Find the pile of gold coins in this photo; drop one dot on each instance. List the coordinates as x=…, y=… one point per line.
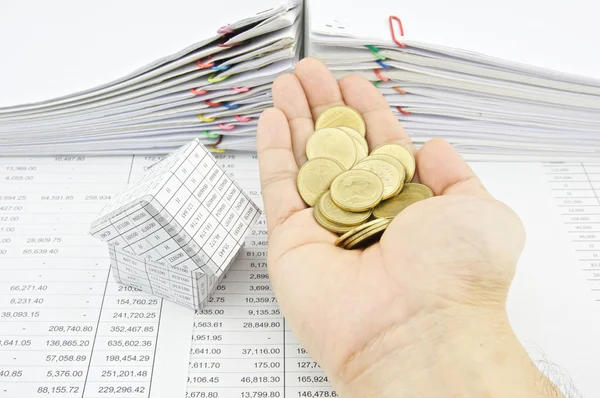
x=355, y=192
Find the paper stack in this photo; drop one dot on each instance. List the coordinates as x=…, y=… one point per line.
x=123, y=77
x=517, y=80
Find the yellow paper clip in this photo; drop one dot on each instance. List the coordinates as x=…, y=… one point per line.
x=205, y=119
x=212, y=148
x=213, y=79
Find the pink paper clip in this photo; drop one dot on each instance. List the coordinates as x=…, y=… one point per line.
x=242, y=119
x=202, y=65
x=226, y=126
x=210, y=103
x=224, y=30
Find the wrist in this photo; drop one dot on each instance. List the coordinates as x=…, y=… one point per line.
x=454, y=354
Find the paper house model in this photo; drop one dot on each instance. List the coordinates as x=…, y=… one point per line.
x=175, y=232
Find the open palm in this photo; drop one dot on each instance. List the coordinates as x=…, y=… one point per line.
x=457, y=250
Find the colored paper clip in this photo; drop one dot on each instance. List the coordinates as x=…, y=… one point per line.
x=380, y=76
x=402, y=111
x=202, y=65
x=398, y=89
x=375, y=52
x=209, y=103
x=242, y=119
x=198, y=92
x=210, y=135
x=241, y=89
x=229, y=106
x=231, y=45
x=213, y=79
x=386, y=66
x=226, y=126
x=391, y=19
x=220, y=67
x=214, y=146
x=377, y=83
x=206, y=119
x=224, y=30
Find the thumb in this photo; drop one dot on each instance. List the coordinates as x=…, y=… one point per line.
x=443, y=170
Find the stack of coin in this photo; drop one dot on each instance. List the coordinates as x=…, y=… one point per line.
x=355, y=192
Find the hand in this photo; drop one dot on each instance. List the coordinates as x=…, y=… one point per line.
x=412, y=314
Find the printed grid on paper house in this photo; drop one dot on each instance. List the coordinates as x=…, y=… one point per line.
x=175, y=233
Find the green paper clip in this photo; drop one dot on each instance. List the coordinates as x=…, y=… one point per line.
x=210, y=135
x=375, y=52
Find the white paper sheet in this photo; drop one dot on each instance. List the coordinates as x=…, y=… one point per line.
x=494, y=29
x=241, y=345
x=66, y=328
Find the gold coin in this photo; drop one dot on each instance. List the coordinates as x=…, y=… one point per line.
x=411, y=193
x=368, y=237
x=362, y=148
x=397, y=165
x=392, y=180
x=372, y=225
x=315, y=177
x=336, y=215
x=338, y=116
x=402, y=154
x=325, y=223
x=356, y=190
x=420, y=188
x=354, y=232
x=332, y=143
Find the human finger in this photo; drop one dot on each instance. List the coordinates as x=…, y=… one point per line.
x=278, y=168
x=382, y=125
x=442, y=169
x=289, y=97
x=319, y=84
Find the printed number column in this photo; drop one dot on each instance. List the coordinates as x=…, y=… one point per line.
x=127, y=332
x=304, y=377
x=51, y=280
x=590, y=235
x=237, y=348
x=575, y=189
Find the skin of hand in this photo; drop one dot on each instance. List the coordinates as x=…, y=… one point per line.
x=422, y=313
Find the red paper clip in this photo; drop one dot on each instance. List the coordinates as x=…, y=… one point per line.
x=242, y=119
x=392, y=19
x=402, y=111
x=198, y=92
x=398, y=89
x=380, y=76
x=226, y=126
x=241, y=89
x=209, y=103
x=202, y=65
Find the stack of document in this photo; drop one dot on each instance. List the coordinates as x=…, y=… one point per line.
x=126, y=77
x=514, y=80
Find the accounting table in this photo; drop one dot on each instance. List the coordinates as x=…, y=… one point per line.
x=74, y=332
x=67, y=329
